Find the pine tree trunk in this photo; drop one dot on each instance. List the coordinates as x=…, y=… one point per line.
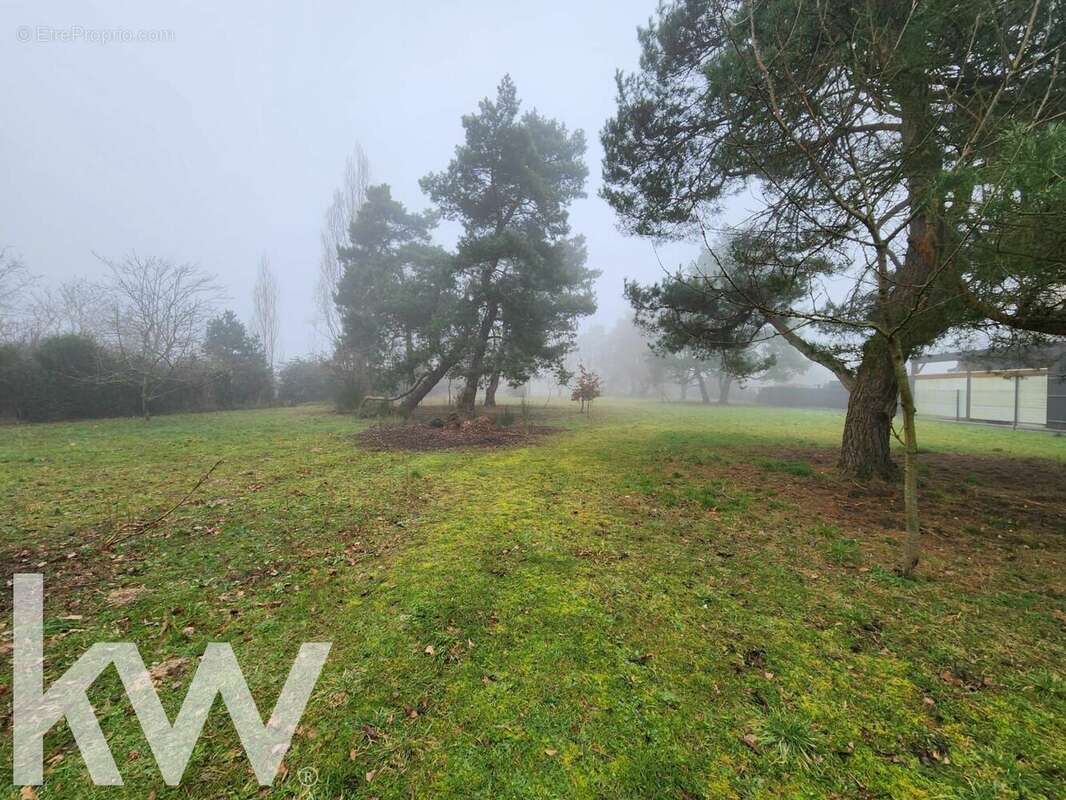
x=411, y=401
x=490, y=389
x=705, y=396
x=468, y=397
x=724, y=383
x=865, y=451
x=464, y=403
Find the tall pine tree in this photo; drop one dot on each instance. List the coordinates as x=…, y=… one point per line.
x=523, y=278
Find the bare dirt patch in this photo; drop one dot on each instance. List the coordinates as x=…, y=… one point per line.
x=981, y=510
x=1005, y=497
x=441, y=434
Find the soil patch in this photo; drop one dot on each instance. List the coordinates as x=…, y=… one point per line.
x=425, y=436
x=1007, y=498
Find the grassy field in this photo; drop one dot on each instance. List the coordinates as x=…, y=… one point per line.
x=660, y=602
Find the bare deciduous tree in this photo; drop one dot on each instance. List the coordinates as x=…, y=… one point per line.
x=75, y=307
x=347, y=200
x=15, y=279
x=156, y=314
x=265, y=321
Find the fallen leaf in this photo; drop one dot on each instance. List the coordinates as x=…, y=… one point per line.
x=949, y=677
x=125, y=596
x=372, y=733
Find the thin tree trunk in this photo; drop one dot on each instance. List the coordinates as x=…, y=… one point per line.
x=725, y=381
x=705, y=396
x=865, y=452
x=912, y=544
x=490, y=389
x=145, y=403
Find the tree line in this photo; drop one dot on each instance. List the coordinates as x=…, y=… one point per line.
x=401, y=313
x=148, y=339
x=635, y=360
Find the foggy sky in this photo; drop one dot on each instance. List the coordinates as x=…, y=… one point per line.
x=227, y=142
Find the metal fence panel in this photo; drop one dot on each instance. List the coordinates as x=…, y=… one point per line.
x=1018, y=397
x=992, y=398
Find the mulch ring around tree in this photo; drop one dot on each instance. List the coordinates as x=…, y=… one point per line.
x=440, y=433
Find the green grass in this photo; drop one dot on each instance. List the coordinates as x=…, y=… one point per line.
x=619, y=611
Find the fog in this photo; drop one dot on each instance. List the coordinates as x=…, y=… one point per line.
x=223, y=141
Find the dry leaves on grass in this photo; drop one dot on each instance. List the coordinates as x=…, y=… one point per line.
x=167, y=669
x=425, y=437
x=124, y=596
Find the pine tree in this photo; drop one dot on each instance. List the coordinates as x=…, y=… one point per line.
x=865, y=128
x=523, y=278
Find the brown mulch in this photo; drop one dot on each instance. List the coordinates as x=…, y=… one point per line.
x=421, y=437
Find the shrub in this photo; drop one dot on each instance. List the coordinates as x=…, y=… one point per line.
x=305, y=380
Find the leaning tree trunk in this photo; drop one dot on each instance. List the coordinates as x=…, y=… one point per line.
x=490, y=389
x=705, y=396
x=468, y=396
x=724, y=384
x=865, y=451
x=425, y=386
